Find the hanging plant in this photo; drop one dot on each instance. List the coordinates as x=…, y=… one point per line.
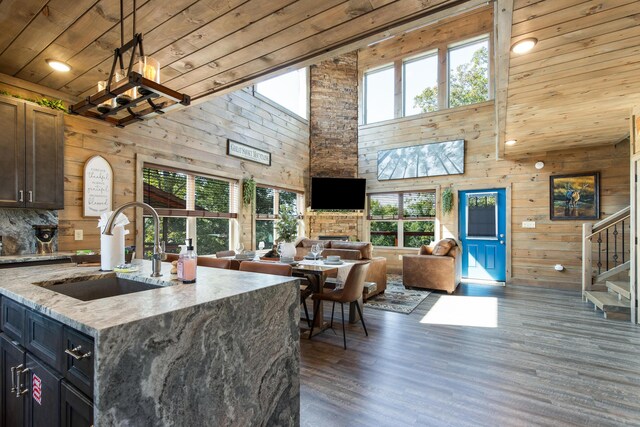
x=447, y=201
x=248, y=190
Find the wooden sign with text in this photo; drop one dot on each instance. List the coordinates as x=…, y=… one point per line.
x=98, y=187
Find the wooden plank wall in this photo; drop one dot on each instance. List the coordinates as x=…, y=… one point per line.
x=196, y=137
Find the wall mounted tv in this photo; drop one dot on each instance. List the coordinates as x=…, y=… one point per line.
x=338, y=193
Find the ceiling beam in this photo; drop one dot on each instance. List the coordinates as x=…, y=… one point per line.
x=503, y=17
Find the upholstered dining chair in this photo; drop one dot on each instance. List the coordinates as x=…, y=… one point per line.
x=171, y=257
x=350, y=293
x=280, y=270
x=222, y=254
x=206, y=261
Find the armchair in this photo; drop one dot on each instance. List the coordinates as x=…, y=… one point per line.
x=438, y=267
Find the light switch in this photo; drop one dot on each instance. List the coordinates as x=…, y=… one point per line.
x=79, y=235
x=528, y=224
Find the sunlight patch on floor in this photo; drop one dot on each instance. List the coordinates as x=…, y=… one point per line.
x=481, y=312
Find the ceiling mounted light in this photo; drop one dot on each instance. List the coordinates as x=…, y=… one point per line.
x=524, y=45
x=133, y=82
x=539, y=165
x=511, y=142
x=59, y=65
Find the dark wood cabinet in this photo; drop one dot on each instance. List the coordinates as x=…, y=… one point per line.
x=12, y=317
x=78, y=360
x=32, y=161
x=44, y=339
x=75, y=409
x=42, y=385
x=13, y=362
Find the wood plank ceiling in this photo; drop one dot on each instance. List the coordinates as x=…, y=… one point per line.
x=577, y=87
x=203, y=46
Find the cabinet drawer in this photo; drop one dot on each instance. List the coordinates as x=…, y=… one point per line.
x=13, y=320
x=75, y=409
x=44, y=339
x=78, y=369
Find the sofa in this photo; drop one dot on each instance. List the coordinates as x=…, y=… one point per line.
x=353, y=251
x=436, y=267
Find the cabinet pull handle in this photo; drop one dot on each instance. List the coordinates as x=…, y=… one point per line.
x=19, y=390
x=75, y=353
x=30, y=196
x=21, y=196
x=13, y=377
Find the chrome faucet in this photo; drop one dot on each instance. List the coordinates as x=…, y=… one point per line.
x=158, y=249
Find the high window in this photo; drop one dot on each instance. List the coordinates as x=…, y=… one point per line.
x=288, y=90
x=447, y=77
x=402, y=219
x=269, y=202
x=189, y=205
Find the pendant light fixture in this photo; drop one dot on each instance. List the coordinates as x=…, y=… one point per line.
x=132, y=91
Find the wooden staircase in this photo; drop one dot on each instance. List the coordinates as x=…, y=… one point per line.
x=606, y=265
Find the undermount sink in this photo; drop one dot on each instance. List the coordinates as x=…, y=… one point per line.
x=88, y=290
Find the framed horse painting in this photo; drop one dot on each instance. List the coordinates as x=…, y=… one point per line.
x=574, y=196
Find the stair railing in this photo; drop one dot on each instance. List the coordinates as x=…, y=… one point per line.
x=611, y=239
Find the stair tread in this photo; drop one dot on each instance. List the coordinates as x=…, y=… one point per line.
x=606, y=301
x=621, y=287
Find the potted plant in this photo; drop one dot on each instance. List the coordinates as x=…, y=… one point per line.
x=287, y=228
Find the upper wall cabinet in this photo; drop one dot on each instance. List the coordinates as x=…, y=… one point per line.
x=31, y=156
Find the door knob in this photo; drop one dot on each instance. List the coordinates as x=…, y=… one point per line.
x=502, y=242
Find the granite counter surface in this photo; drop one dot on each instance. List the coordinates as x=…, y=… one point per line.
x=15, y=259
x=33, y=286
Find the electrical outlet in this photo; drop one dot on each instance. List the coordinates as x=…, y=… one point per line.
x=79, y=234
x=528, y=224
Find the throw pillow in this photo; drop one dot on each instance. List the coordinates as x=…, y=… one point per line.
x=426, y=250
x=443, y=247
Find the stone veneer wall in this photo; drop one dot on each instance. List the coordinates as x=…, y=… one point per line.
x=333, y=137
x=16, y=229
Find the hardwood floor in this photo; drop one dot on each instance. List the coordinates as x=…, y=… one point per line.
x=550, y=360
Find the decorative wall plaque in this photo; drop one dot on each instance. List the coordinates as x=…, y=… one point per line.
x=243, y=151
x=416, y=161
x=98, y=187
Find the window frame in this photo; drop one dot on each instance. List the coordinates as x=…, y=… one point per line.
x=253, y=89
x=401, y=219
x=377, y=69
x=192, y=215
x=276, y=208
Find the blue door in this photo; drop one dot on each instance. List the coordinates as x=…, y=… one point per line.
x=483, y=234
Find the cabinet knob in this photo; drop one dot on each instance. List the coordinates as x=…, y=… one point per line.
x=30, y=196
x=21, y=196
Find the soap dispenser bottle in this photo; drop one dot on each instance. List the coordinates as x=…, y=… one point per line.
x=187, y=264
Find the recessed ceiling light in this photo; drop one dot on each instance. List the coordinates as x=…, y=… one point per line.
x=524, y=46
x=539, y=165
x=511, y=142
x=59, y=65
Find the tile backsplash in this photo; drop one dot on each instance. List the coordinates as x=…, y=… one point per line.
x=16, y=229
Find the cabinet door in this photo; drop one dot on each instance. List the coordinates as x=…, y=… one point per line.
x=75, y=409
x=12, y=359
x=12, y=147
x=44, y=158
x=43, y=395
x=12, y=316
x=43, y=338
x=78, y=369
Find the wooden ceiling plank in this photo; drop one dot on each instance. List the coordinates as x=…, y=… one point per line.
x=502, y=35
x=89, y=27
x=15, y=15
x=278, y=20
x=589, y=13
x=624, y=40
x=54, y=19
x=339, y=15
x=182, y=22
x=577, y=40
x=328, y=40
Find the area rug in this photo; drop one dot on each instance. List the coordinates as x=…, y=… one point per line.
x=396, y=298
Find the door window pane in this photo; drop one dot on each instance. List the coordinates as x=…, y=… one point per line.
x=379, y=99
x=265, y=233
x=481, y=215
x=384, y=233
x=421, y=85
x=417, y=233
x=212, y=235
x=469, y=73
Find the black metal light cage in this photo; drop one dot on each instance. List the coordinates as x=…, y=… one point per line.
x=147, y=88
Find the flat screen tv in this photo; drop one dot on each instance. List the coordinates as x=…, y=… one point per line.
x=338, y=193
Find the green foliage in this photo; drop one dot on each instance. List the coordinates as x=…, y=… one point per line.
x=416, y=233
x=287, y=225
x=248, y=190
x=54, y=104
x=469, y=84
x=447, y=201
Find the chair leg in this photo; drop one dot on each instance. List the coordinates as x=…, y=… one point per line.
x=315, y=316
x=332, y=310
x=306, y=313
x=344, y=333
x=362, y=318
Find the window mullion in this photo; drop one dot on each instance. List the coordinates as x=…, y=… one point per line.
x=398, y=89
x=443, y=86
